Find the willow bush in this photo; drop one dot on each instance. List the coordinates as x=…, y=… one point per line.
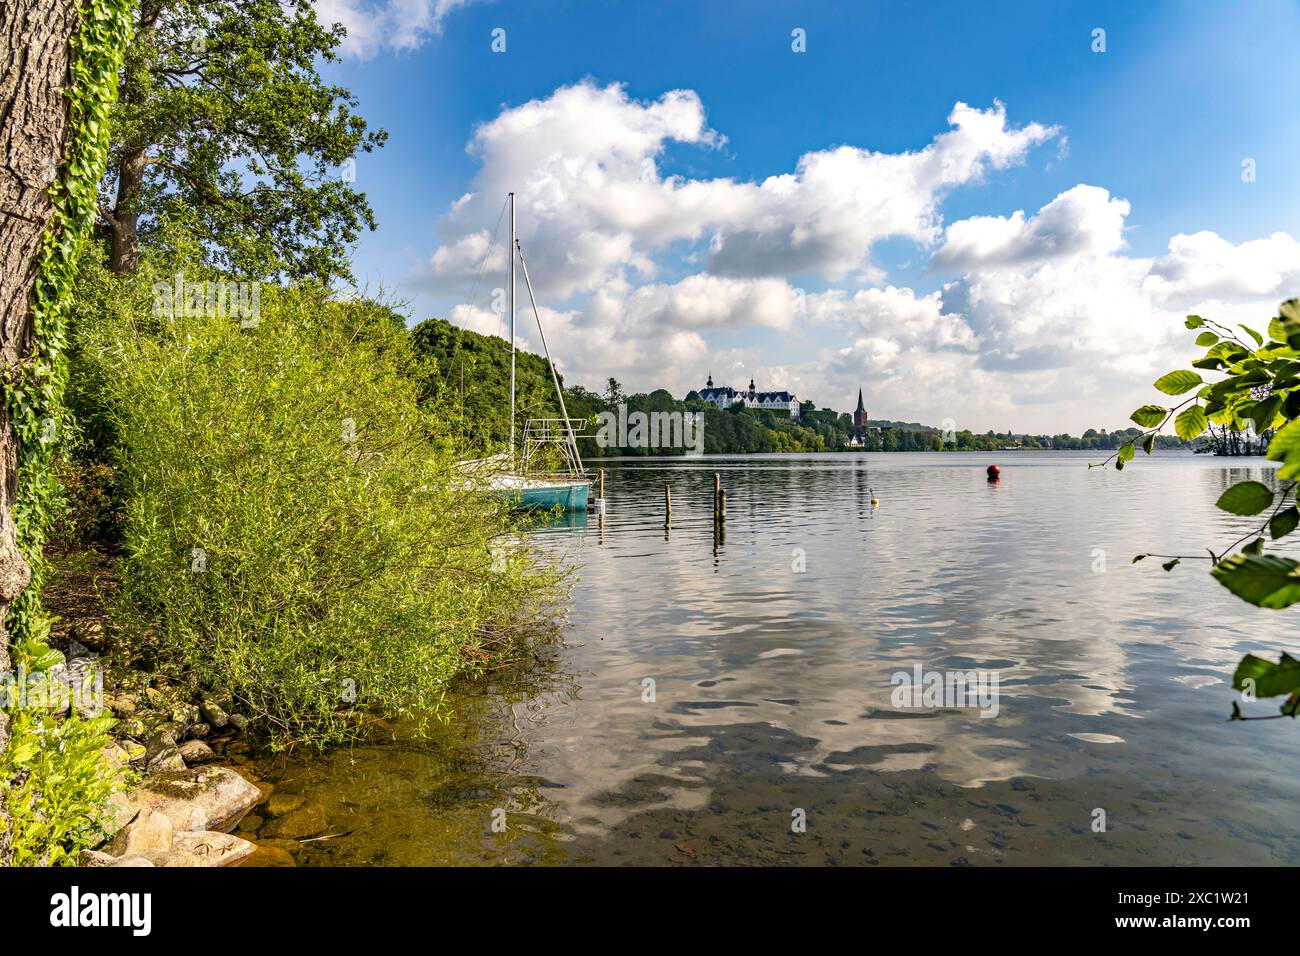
x=294, y=526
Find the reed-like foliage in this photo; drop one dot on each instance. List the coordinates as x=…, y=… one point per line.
x=294, y=526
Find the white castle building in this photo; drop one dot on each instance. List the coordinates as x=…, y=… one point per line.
x=725, y=396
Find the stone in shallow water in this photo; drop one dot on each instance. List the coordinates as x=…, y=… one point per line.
x=292, y=847
x=208, y=798
x=268, y=856
x=307, y=821
x=281, y=803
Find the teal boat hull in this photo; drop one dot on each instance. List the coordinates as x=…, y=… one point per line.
x=567, y=496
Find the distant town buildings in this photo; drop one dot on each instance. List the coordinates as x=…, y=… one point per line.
x=725, y=396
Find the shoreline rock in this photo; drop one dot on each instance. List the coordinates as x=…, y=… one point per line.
x=178, y=818
x=208, y=798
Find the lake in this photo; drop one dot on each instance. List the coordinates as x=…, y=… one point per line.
x=772, y=732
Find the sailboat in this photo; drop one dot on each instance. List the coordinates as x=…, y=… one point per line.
x=516, y=477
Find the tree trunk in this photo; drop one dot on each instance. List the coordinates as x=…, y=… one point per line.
x=35, y=38
x=124, y=218
x=125, y=255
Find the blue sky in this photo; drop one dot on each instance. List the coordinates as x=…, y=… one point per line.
x=874, y=263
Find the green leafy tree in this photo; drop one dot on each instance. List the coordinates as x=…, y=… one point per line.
x=1259, y=392
x=224, y=124
x=470, y=373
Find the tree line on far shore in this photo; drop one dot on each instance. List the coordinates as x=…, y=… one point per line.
x=471, y=373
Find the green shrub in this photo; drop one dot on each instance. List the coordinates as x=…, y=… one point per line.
x=54, y=788
x=294, y=526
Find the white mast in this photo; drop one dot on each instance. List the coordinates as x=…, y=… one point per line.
x=559, y=392
x=512, y=329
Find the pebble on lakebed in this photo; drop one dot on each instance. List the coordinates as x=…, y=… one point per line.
x=306, y=821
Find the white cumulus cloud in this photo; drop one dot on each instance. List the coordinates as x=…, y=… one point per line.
x=1046, y=321
x=594, y=204
x=374, y=25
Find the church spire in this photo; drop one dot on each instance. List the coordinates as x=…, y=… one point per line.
x=861, y=408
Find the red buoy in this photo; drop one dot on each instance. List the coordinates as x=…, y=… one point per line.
x=993, y=471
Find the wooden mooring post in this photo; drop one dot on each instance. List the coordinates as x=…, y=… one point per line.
x=668, y=501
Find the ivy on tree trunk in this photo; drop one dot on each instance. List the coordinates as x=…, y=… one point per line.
x=35, y=50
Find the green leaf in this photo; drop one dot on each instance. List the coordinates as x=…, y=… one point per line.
x=1206, y=339
x=1266, y=678
x=1263, y=412
x=1255, y=547
x=1285, y=442
x=1259, y=339
x=22, y=753
x=1264, y=580
x=1137, y=558
x=1229, y=351
x=36, y=655
x=1194, y=322
x=1190, y=423
x=1284, y=522
x=1126, y=453
x=1170, y=565
x=1245, y=498
x=1178, y=381
x=1148, y=416
x=1149, y=443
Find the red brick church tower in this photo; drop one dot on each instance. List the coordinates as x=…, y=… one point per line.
x=860, y=415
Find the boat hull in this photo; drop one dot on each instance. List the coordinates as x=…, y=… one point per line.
x=567, y=496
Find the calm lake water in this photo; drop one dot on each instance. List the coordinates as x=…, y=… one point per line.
x=772, y=685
